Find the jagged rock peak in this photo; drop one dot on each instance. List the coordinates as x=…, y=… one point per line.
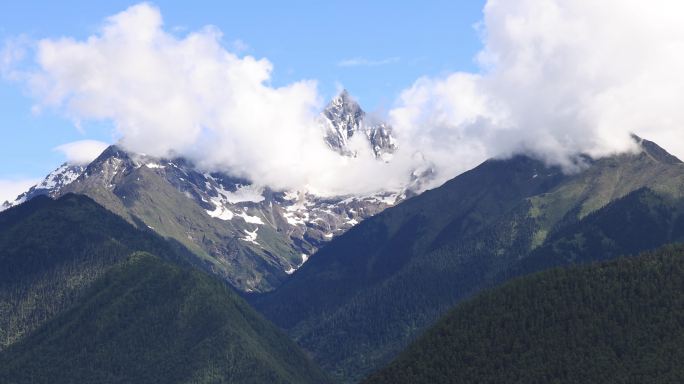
x=343, y=117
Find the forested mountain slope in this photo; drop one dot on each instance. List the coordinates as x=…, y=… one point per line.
x=51, y=250
x=617, y=322
x=371, y=291
x=148, y=320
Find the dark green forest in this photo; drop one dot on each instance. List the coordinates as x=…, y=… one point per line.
x=151, y=321
x=616, y=322
x=51, y=250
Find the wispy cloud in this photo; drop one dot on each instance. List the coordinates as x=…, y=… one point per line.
x=239, y=46
x=365, y=62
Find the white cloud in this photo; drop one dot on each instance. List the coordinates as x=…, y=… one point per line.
x=10, y=189
x=189, y=96
x=364, y=62
x=81, y=152
x=558, y=78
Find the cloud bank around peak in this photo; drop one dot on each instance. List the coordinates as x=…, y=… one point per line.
x=170, y=95
x=557, y=78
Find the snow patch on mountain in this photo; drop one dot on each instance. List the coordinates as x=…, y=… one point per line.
x=251, y=236
x=250, y=219
x=221, y=211
x=292, y=269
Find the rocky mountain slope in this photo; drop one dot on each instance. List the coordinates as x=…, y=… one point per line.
x=251, y=235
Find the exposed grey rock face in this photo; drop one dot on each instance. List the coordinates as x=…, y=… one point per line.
x=343, y=118
x=251, y=235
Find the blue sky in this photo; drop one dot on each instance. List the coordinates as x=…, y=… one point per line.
x=374, y=49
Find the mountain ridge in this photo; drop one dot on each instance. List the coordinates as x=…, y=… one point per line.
x=429, y=252
x=251, y=235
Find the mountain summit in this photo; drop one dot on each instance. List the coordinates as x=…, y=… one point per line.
x=343, y=118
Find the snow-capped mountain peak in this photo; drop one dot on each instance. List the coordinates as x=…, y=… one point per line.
x=252, y=235
x=343, y=118
x=51, y=185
